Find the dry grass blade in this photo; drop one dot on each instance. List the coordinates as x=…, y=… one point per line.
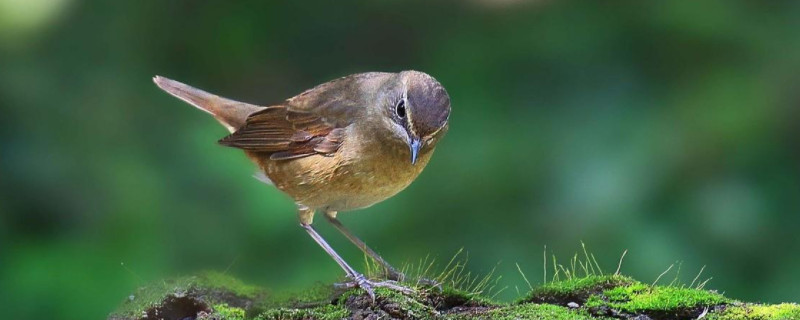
x=544, y=268
x=697, y=277
x=662, y=274
x=619, y=265
x=530, y=287
x=677, y=274
x=588, y=265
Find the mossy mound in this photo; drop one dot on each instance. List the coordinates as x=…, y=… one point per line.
x=209, y=295
x=215, y=296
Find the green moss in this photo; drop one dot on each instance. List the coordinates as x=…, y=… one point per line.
x=224, y=312
x=221, y=281
x=386, y=301
x=409, y=306
x=576, y=287
x=597, y=297
x=325, y=312
x=150, y=296
x=757, y=312
x=450, y=296
x=209, y=286
x=638, y=297
x=318, y=294
x=527, y=311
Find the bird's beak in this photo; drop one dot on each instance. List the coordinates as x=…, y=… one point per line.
x=414, y=144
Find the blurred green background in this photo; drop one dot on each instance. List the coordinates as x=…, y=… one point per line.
x=669, y=129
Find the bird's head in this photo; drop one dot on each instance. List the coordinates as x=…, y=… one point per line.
x=419, y=109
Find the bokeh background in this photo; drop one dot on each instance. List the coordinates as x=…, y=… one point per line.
x=668, y=129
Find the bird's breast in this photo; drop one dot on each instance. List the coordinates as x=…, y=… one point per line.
x=362, y=172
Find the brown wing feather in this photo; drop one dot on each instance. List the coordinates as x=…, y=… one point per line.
x=286, y=134
x=312, y=122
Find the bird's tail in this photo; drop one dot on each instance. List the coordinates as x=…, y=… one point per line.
x=231, y=114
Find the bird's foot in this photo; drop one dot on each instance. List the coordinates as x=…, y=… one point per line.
x=358, y=280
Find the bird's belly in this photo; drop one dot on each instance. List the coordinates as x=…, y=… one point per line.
x=359, y=190
x=339, y=183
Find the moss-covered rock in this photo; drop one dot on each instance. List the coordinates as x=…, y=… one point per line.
x=740, y=311
x=209, y=295
x=219, y=297
x=576, y=289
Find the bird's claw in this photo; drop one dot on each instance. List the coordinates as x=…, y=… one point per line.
x=364, y=284
x=360, y=281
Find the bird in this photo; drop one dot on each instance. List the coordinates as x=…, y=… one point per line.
x=343, y=145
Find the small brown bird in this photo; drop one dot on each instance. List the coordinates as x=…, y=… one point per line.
x=343, y=145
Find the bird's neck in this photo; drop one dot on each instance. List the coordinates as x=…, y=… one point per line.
x=377, y=140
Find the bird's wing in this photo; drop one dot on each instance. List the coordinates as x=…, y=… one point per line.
x=313, y=122
x=286, y=134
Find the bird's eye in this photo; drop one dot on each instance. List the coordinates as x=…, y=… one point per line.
x=401, y=108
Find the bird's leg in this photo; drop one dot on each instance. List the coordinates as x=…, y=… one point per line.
x=358, y=280
x=390, y=272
